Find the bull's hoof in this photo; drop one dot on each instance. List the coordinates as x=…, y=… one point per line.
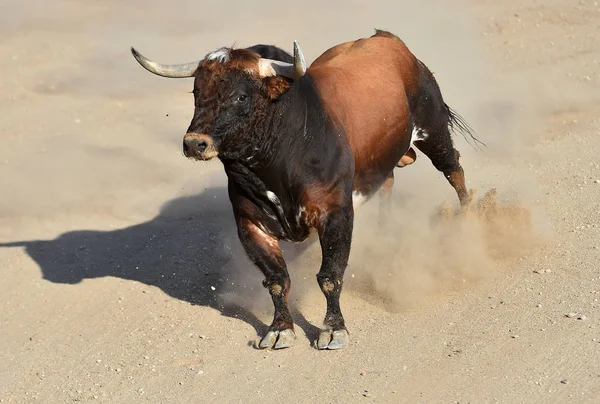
x=330, y=339
x=278, y=339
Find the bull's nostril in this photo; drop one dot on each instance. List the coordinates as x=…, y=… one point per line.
x=202, y=146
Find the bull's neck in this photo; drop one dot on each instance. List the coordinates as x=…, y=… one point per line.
x=289, y=130
x=285, y=132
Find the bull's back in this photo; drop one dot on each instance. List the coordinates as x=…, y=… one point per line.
x=365, y=87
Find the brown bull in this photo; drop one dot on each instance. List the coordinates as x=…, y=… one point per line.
x=300, y=145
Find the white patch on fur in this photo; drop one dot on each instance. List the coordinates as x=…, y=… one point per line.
x=272, y=197
x=418, y=134
x=301, y=211
x=358, y=199
x=275, y=200
x=220, y=55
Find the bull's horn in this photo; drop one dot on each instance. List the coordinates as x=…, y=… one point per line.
x=299, y=62
x=173, y=71
x=270, y=67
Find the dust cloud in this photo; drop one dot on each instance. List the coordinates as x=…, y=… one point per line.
x=429, y=245
x=96, y=140
x=427, y=248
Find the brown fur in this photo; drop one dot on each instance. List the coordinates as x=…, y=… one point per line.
x=378, y=132
x=210, y=71
x=318, y=200
x=239, y=59
x=208, y=79
x=275, y=86
x=457, y=180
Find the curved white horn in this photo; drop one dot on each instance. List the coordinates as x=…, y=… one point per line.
x=172, y=71
x=270, y=67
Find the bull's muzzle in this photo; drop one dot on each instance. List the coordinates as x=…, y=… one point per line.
x=199, y=146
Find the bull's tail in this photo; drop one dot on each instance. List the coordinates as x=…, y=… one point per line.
x=457, y=124
x=432, y=112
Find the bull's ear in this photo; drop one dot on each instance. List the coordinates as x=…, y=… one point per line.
x=274, y=86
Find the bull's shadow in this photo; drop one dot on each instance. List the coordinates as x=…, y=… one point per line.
x=188, y=249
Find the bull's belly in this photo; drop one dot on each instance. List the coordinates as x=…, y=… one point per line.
x=368, y=179
x=365, y=189
x=366, y=185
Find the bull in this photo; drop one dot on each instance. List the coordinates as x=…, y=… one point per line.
x=302, y=147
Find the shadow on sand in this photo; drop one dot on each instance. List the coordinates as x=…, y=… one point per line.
x=188, y=247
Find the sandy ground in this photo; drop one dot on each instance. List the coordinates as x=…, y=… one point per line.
x=122, y=277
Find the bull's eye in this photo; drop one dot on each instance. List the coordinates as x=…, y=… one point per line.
x=241, y=98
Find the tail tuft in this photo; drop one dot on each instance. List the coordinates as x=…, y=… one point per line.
x=458, y=124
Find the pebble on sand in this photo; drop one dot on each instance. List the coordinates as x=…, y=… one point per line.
x=571, y=315
x=564, y=381
x=582, y=317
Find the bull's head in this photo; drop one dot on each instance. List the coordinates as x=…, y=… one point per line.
x=230, y=87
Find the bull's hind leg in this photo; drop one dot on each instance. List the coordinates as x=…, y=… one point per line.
x=265, y=252
x=438, y=146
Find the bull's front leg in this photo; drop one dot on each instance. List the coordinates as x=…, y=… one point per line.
x=264, y=251
x=335, y=235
